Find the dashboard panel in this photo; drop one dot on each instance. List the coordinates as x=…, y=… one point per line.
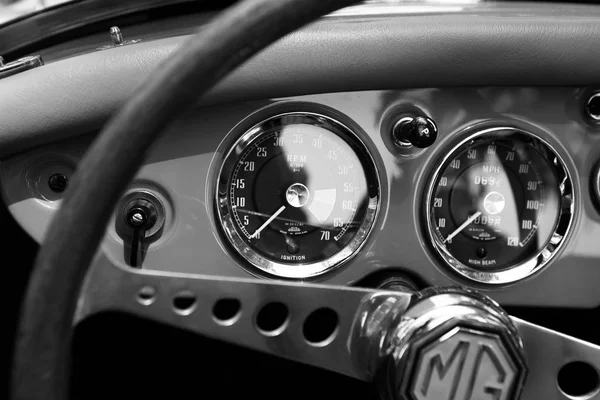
x=183, y=174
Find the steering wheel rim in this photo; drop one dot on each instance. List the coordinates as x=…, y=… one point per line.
x=41, y=357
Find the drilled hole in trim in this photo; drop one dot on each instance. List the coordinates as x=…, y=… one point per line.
x=579, y=380
x=227, y=311
x=320, y=327
x=184, y=303
x=146, y=295
x=272, y=319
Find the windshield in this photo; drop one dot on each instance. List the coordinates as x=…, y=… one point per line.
x=11, y=9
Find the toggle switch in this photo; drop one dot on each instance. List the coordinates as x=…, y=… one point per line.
x=139, y=222
x=418, y=131
x=140, y=216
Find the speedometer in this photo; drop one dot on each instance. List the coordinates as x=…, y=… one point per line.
x=499, y=206
x=297, y=194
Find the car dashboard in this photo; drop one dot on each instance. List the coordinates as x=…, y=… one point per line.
x=360, y=149
x=356, y=198
x=393, y=146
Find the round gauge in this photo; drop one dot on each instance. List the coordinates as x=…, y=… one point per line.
x=499, y=206
x=297, y=195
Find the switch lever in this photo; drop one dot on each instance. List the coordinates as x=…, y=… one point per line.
x=140, y=215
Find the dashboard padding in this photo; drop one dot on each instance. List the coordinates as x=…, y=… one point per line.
x=516, y=45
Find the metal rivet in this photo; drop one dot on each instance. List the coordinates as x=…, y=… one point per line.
x=137, y=218
x=116, y=35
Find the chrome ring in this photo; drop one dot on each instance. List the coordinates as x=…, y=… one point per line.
x=593, y=116
x=595, y=185
x=543, y=256
x=300, y=270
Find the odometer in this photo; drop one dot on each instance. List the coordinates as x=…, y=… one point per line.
x=499, y=205
x=297, y=194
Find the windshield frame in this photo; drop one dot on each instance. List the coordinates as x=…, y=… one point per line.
x=26, y=33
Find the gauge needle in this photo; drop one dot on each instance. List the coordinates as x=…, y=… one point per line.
x=295, y=221
x=463, y=226
x=259, y=214
x=267, y=222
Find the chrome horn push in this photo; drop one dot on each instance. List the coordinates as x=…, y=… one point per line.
x=450, y=344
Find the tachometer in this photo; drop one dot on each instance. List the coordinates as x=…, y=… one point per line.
x=297, y=194
x=499, y=205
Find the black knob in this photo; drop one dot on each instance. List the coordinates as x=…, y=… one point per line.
x=419, y=131
x=58, y=182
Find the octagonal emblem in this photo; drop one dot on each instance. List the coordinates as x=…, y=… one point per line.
x=466, y=364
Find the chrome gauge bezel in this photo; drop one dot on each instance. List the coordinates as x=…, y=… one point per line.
x=296, y=270
x=543, y=257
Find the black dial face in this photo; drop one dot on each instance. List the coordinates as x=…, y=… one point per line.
x=297, y=195
x=495, y=205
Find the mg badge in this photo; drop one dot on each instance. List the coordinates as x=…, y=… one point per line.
x=465, y=364
x=453, y=344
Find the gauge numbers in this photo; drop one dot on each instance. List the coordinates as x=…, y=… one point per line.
x=297, y=195
x=495, y=206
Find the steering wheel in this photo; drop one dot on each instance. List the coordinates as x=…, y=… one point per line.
x=442, y=343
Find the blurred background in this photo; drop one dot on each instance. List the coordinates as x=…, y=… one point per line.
x=10, y=9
